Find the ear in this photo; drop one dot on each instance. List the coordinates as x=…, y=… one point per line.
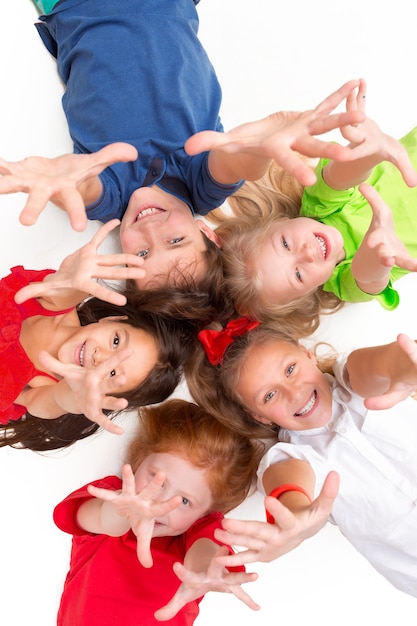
x=309, y=354
x=209, y=233
x=113, y=318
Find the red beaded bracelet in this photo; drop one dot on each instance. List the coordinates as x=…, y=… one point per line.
x=279, y=491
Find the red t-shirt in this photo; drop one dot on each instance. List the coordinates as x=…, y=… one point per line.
x=106, y=584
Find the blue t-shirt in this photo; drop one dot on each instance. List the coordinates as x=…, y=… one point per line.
x=135, y=71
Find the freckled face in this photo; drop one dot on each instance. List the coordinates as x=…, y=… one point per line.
x=182, y=479
x=280, y=383
x=160, y=228
x=89, y=345
x=297, y=256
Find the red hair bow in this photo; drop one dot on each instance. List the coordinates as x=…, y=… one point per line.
x=215, y=342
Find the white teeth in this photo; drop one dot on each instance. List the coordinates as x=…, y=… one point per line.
x=148, y=211
x=323, y=245
x=81, y=357
x=309, y=405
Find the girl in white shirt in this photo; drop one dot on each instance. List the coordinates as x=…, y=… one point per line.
x=326, y=430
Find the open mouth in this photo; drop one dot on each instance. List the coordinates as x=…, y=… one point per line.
x=148, y=212
x=308, y=407
x=322, y=245
x=81, y=355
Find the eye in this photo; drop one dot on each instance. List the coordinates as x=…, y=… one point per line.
x=298, y=276
x=185, y=501
x=143, y=253
x=290, y=369
x=116, y=340
x=269, y=396
x=176, y=240
x=112, y=373
x=285, y=243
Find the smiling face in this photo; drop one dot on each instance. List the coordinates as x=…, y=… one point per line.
x=89, y=345
x=160, y=228
x=297, y=256
x=280, y=383
x=182, y=479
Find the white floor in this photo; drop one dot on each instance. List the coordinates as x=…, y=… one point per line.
x=270, y=56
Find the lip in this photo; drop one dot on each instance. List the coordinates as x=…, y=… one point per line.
x=79, y=356
x=308, y=407
x=323, y=245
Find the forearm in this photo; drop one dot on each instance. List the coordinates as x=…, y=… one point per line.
x=228, y=168
x=90, y=190
x=200, y=555
x=49, y=401
x=100, y=517
x=295, y=472
x=372, y=371
x=343, y=175
x=370, y=275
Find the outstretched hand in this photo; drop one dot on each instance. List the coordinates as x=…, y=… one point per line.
x=406, y=383
x=140, y=509
x=283, y=136
x=266, y=542
x=79, y=270
x=87, y=390
x=196, y=584
x=368, y=140
x=381, y=248
x=58, y=179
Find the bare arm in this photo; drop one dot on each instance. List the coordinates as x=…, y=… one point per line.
x=384, y=375
x=69, y=181
x=380, y=248
x=202, y=573
x=246, y=151
x=76, y=277
x=296, y=516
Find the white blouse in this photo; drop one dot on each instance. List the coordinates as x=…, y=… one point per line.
x=375, y=454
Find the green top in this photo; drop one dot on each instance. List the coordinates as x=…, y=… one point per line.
x=350, y=213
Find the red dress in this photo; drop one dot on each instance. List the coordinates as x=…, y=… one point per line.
x=16, y=369
x=106, y=584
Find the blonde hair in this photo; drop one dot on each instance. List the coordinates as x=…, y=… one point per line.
x=255, y=207
x=229, y=459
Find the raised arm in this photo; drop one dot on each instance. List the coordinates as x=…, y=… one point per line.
x=380, y=248
x=69, y=181
x=202, y=573
x=121, y=510
x=384, y=375
x=370, y=145
x=292, y=513
x=245, y=152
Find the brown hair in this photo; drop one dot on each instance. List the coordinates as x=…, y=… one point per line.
x=178, y=427
x=215, y=387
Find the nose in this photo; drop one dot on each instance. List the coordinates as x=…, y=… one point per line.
x=307, y=252
x=99, y=355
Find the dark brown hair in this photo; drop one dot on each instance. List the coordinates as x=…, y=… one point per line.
x=166, y=319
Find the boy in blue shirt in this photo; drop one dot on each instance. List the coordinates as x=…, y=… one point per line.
x=138, y=85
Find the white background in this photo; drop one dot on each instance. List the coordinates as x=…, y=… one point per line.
x=269, y=55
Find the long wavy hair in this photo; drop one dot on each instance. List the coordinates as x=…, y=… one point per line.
x=171, y=318
x=229, y=459
x=215, y=387
x=255, y=208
